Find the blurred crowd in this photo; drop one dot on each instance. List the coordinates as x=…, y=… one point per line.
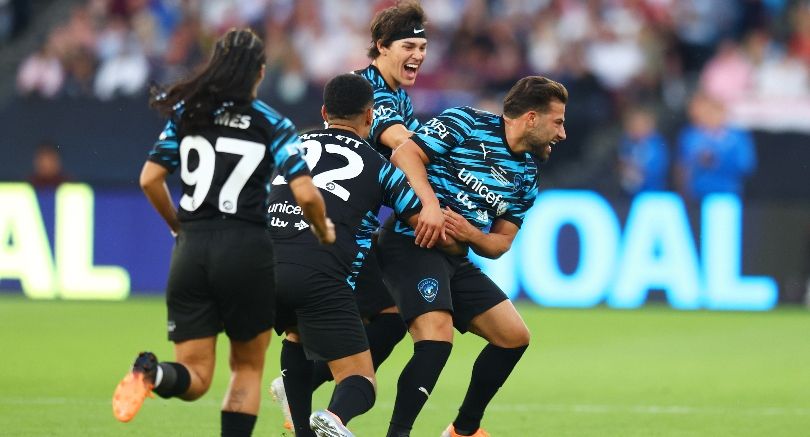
x=630, y=49
x=745, y=61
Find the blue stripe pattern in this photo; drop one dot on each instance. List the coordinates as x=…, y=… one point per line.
x=390, y=107
x=473, y=171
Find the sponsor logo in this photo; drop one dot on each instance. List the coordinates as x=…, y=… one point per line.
x=424, y=390
x=171, y=326
x=415, y=30
x=383, y=112
x=428, y=288
x=482, y=216
x=484, y=150
x=277, y=222
x=464, y=198
x=301, y=225
x=285, y=208
x=478, y=186
x=436, y=126
x=499, y=174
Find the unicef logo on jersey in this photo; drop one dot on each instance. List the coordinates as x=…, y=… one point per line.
x=428, y=288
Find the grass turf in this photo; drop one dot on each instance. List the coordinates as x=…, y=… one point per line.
x=597, y=372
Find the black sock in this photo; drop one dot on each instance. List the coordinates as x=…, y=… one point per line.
x=384, y=332
x=320, y=374
x=237, y=424
x=352, y=397
x=297, y=374
x=416, y=383
x=491, y=368
x=175, y=380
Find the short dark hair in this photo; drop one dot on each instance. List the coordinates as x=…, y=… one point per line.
x=347, y=96
x=390, y=21
x=533, y=93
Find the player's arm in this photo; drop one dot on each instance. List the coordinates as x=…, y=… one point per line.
x=430, y=224
x=288, y=157
x=489, y=245
x=312, y=206
x=153, y=184
x=412, y=160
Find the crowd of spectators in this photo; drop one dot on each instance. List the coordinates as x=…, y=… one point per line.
x=750, y=57
x=628, y=49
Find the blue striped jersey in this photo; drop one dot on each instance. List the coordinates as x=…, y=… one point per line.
x=473, y=171
x=354, y=181
x=225, y=168
x=390, y=108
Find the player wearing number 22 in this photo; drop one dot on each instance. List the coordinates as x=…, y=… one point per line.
x=316, y=283
x=226, y=144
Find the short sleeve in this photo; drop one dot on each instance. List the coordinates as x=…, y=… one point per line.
x=166, y=150
x=397, y=194
x=441, y=134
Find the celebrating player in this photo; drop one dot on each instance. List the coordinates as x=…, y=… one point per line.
x=226, y=144
x=483, y=169
x=317, y=306
x=399, y=44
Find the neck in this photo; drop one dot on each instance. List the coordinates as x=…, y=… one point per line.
x=512, y=140
x=388, y=77
x=339, y=125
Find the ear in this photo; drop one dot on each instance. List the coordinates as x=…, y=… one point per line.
x=381, y=48
x=369, y=116
x=323, y=114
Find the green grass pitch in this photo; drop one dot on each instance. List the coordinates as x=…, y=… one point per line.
x=597, y=372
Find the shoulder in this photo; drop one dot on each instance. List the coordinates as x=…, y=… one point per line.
x=268, y=113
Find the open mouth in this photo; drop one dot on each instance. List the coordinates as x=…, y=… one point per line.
x=410, y=70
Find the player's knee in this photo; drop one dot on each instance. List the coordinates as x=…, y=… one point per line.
x=436, y=325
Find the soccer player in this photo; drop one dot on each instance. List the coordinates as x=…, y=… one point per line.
x=316, y=302
x=483, y=168
x=399, y=44
x=226, y=144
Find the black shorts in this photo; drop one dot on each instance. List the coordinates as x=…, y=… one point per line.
x=424, y=280
x=371, y=292
x=222, y=277
x=323, y=309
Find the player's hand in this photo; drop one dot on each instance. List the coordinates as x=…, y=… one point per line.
x=328, y=235
x=430, y=226
x=458, y=227
x=451, y=246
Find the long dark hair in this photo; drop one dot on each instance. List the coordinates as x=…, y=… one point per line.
x=227, y=80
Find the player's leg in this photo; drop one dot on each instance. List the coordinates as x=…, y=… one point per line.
x=242, y=273
x=331, y=330
x=243, y=396
x=193, y=324
x=420, y=284
x=355, y=386
x=482, y=308
x=384, y=326
x=296, y=377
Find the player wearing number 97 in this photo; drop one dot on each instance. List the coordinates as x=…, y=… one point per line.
x=316, y=302
x=226, y=144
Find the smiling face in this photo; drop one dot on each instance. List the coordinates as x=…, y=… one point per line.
x=543, y=130
x=400, y=62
